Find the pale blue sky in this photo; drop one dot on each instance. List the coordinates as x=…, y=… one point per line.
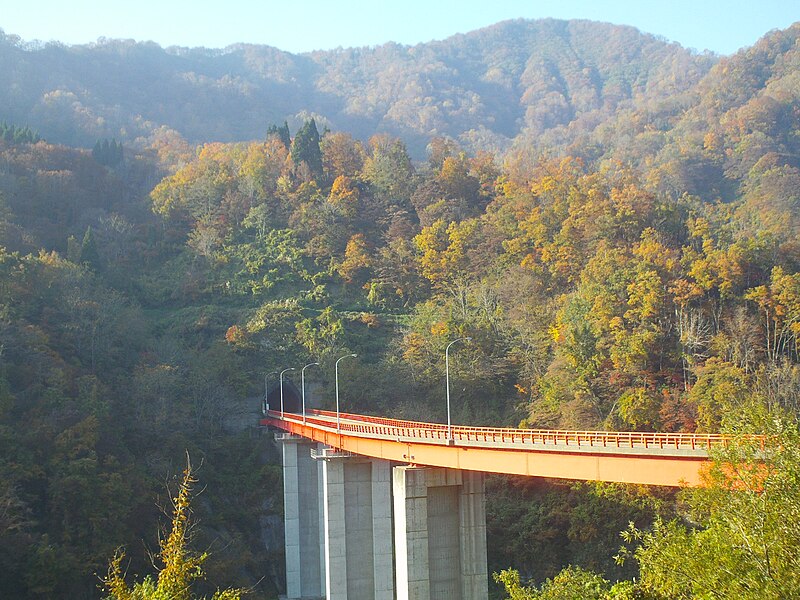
x=304, y=25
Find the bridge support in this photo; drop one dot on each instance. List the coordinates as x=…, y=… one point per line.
x=340, y=525
x=358, y=527
x=303, y=519
x=440, y=534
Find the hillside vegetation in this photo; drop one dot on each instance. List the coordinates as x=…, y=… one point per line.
x=629, y=260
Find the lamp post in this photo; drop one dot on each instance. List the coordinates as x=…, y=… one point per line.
x=338, y=421
x=282, y=372
x=266, y=392
x=303, y=386
x=447, y=380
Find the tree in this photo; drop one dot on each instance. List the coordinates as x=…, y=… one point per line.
x=181, y=566
x=458, y=182
x=197, y=189
x=260, y=169
x=357, y=260
x=306, y=149
x=321, y=334
x=780, y=304
x=740, y=535
x=448, y=252
x=570, y=584
x=108, y=154
x=721, y=387
x=345, y=196
x=281, y=133
x=389, y=170
x=513, y=585
x=18, y=135
x=341, y=155
x=89, y=253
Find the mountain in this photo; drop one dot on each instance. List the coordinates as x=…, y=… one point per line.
x=485, y=88
x=706, y=138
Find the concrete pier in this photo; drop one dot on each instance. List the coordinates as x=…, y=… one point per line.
x=302, y=489
x=358, y=525
x=440, y=534
x=358, y=529
x=472, y=530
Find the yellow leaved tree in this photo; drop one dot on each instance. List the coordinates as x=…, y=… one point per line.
x=181, y=566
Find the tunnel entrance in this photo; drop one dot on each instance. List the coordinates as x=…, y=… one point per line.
x=292, y=397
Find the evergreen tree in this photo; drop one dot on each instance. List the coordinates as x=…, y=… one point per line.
x=12, y=134
x=74, y=250
x=282, y=133
x=118, y=152
x=305, y=148
x=108, y=153
x=89, y=253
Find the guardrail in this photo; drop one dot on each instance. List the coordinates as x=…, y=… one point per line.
x=364, y=425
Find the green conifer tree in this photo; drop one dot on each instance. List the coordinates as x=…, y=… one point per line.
x=89, y=254
x=305, y=148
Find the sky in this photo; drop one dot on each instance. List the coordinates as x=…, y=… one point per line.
x=298, y=26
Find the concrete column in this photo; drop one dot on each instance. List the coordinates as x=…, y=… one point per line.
x=382, y=549
x=304, y=578
x=410, y=490
x=335, y=535
x=358, y=546
x=291, y=517
x=444, y=548
x=472, y=524
x=358, y=533
x=319, y=448
x=440, y=534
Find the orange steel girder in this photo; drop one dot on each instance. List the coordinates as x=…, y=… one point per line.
x=649, y=469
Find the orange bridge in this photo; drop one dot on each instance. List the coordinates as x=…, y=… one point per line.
x=670, y=459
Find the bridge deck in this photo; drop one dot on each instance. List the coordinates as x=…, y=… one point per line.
x=670, y=459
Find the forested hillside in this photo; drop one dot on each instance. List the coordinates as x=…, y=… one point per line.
x=630, y=260
x=484, y=88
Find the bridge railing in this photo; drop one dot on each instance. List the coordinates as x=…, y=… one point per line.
x=365, y=425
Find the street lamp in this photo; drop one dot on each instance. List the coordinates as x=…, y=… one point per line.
x=266, y=392
x=282, y=372
x=303, y=386
x=338, y=421
x=447, y=379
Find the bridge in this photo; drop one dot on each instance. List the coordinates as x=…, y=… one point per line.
x=378, y=509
